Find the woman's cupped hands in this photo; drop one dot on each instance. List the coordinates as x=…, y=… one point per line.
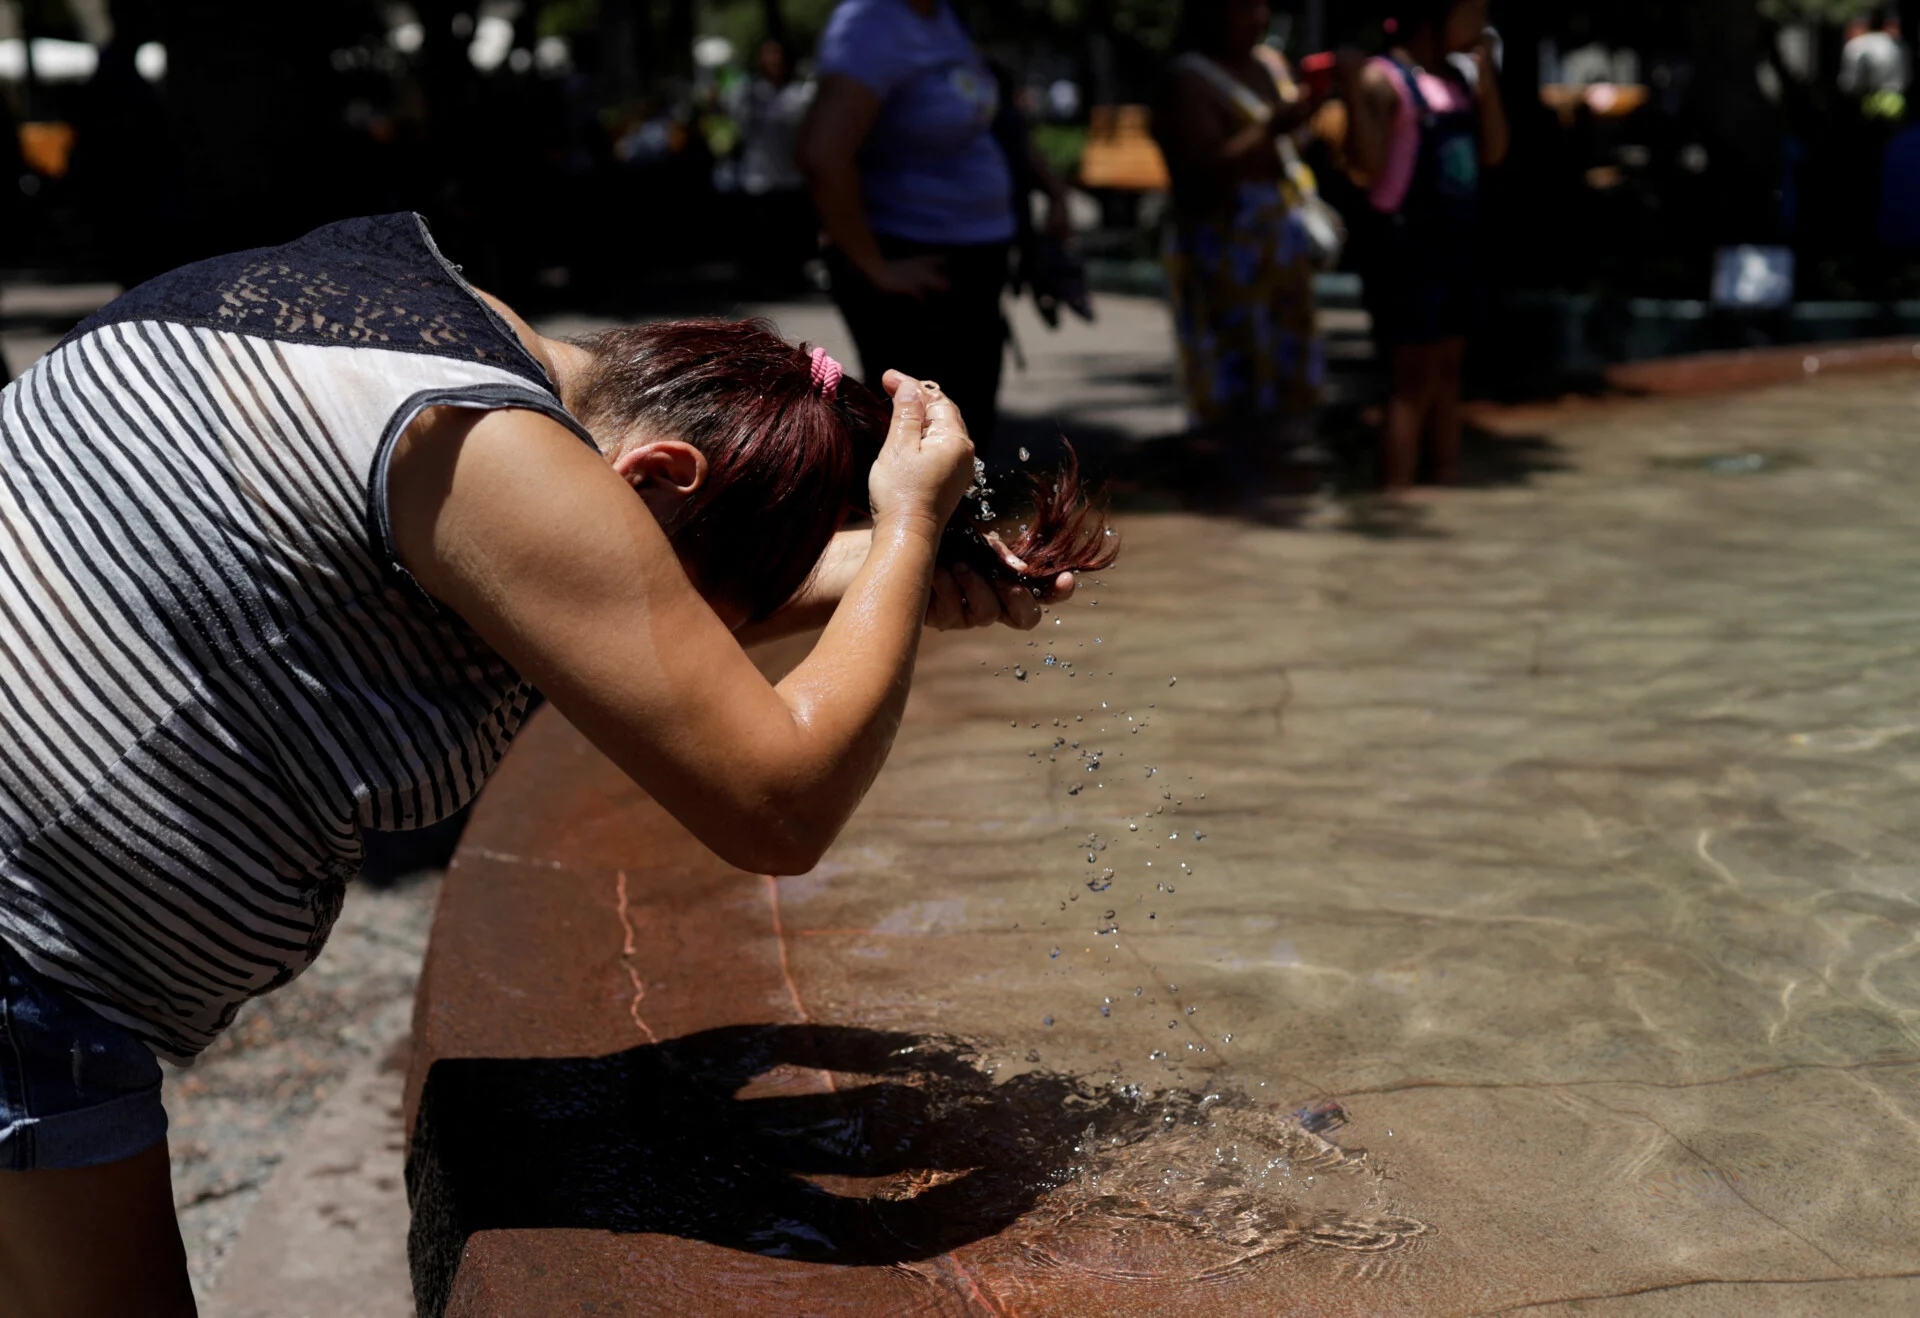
x=923, y=471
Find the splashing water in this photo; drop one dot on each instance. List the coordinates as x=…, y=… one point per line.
x=1186, y=1187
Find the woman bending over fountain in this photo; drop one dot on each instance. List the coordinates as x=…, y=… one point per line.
x=287, y=541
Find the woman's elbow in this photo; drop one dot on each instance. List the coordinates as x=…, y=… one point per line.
x=777, y=847
x=818, y=158
x=807, y=161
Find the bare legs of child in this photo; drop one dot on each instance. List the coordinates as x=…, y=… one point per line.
x=1424, y=405
x=94, y=1242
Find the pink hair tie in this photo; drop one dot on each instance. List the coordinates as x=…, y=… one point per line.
x=826, y=373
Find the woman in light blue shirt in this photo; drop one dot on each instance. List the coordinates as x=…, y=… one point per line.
x=916, y=195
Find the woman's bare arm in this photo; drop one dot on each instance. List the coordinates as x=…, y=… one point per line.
x=961, y=598
x=813, y=604
x=1373, y=102
x=1197, y=135
x=836, y=127
x=1059, y=218
x=533, y=540
x=1494, y=137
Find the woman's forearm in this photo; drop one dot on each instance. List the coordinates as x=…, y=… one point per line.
x=813, y=604
x=1494, y=136
x=848, y=695
x=843, y=213
x=1050, y=183
x=842, y=117
x=1369, y=127
x=1250, y=143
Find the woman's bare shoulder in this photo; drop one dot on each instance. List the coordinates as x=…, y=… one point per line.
x=1378, y=83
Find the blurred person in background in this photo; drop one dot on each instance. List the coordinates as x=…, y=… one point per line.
x=784, y=233
x=1239, y=261
x=1421, y=133
x=917, y=196
x=1874, y=68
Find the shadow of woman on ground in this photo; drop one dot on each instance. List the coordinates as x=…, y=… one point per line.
x=823, y=1143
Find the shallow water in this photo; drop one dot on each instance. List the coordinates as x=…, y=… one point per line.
x=1562, y=834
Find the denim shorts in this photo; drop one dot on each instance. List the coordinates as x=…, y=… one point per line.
x=76, y=1090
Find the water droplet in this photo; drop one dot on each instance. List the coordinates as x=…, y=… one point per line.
x=1200, y=837
x=1051, y=662
x=1053, y=954
x=1172, y=680
x=1024, y=455
x=1106, y=1011
x=1173, y=837
x=1073, y=791
x=1133, y=828
x=1228, y=1038
x=1137, y=991
x=1046, y=1020
x=1019, y=673
x=1191, y=1010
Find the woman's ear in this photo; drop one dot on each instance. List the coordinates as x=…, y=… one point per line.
x=665, y=473
x=669, y=467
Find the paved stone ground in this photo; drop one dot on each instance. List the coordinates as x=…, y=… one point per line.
x=321, y=1055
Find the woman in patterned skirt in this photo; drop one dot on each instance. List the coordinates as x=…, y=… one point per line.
x=1238, y=258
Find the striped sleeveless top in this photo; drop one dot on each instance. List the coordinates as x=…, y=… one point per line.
x=213, y=674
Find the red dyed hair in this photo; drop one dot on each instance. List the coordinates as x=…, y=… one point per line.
x=785, y=463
